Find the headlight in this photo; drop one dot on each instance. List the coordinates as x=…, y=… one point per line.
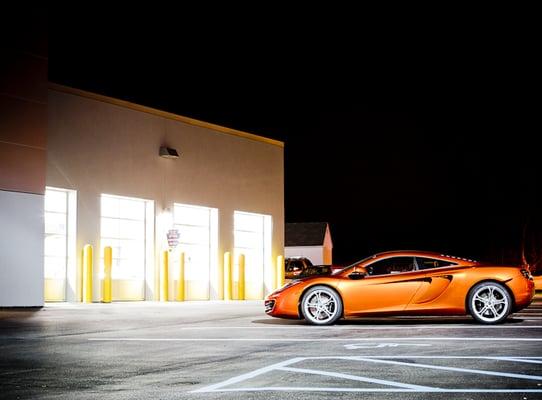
x=286, y=286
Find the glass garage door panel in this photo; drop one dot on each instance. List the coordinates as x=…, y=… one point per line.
x=123, y=227
x=128, y=258
x=55, y=244
x=249, y=240
x=194, y=226
x=196, y=271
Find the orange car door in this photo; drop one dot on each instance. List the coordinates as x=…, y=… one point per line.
x=439, y=275
x=389, y=287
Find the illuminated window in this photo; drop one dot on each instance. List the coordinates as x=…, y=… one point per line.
x=252, y=237
x=198, y=239
x=124, y=227
x=59, y=244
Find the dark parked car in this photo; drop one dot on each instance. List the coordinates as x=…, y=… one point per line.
x=301, y=267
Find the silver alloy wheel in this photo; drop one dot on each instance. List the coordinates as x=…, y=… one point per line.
x=320, y=306
x=490, y=303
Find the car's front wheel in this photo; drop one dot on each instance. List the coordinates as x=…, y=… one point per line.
x=489, y=302
x=321, y=305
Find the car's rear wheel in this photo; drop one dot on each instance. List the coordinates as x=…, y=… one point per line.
x=489, y=302
x=321, y=305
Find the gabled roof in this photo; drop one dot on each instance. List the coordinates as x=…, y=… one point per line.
x=305, y=233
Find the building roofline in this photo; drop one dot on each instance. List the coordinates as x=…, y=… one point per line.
x=164, y=114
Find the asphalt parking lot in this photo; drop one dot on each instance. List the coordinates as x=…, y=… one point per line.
x=229, y=350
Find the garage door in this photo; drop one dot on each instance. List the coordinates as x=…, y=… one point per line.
x=127, y=226
x=59, y=246
x=198, y=239
x=252, y=237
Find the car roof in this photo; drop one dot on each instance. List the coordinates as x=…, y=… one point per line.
x=419, y=253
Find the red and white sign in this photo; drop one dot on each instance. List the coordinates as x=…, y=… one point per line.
x=173, y=238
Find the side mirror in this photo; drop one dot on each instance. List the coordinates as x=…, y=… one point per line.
x=357, y=275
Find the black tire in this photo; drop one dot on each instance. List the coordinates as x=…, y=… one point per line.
x=489, y=302
x=321, y=305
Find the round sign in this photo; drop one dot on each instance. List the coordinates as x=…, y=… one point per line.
x=173, y=238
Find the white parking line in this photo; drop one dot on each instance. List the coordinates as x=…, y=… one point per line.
x=354, y=378
x=398, y=386
x=497, y=358
x=249, y=375
x=515, y=359
x=484, y=339
x=369, y=390
x=455, y=369
x=373, y=327
x=357, y=346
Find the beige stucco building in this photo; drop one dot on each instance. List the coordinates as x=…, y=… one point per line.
x=107, y=185
x=224, y=193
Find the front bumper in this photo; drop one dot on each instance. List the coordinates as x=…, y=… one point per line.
x=282, y=305
x=269, y=306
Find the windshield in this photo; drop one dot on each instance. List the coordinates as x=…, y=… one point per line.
x=356, y=263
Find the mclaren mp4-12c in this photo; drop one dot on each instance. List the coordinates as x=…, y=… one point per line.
x=406, y=283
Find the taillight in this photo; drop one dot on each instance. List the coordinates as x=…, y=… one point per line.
x=526, y=274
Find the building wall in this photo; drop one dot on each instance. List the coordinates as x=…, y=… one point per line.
x=23, y=125
x=328, y=248
x=96, y=147
x=313, y=253
x=21, y=249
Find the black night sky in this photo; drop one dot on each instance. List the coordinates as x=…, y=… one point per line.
x=447, y=161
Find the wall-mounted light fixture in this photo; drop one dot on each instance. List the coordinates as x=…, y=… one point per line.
x=168, y=152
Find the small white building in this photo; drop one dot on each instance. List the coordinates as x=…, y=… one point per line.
x=311, y=240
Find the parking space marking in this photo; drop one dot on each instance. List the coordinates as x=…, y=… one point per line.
x=483, y=339
x=248, y=375
x=370, y=390
x=356, y=346
x=497, y=358
x=286, y=366
x=521, y=360
x=356, y=327
x=354, y=378
x=455, y=369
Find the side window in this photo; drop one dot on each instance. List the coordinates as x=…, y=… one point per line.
x=427, y=263
x=394, y=265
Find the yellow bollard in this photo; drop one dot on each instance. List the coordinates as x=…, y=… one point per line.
x=220, y=287
x=241, y=278
x=180, y=282
x=164, y=281
x=274, y=276
x=227, y=276
x=106, y=282
x=280, y=271
x=87, y=274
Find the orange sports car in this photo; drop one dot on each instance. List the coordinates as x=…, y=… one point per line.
x=406, y=283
